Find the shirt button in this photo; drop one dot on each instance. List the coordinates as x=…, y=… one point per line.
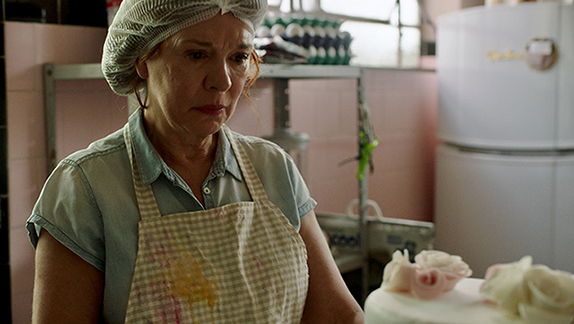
x=206, y=191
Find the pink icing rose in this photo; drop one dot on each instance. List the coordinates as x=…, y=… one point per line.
x=432, y=274
x=428, y=283
x=398, y=273
x=452, y=266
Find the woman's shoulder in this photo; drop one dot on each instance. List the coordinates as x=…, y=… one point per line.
x=100, y=148
x=253, y=140
x=261, y=147
x=269, y=159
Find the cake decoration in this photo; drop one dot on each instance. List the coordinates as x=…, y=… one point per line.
x=432, y=274
x=535, y=293
x=435, y=290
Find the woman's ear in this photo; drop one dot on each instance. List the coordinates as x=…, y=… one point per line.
x=141, y=69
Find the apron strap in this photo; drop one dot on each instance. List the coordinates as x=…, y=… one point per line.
x=144, y=194
x=251, y=178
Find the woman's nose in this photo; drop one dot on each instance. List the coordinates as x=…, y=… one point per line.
x=218, y=77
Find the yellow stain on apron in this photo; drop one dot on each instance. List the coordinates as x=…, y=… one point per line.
x=187, y=281
x=183, y=275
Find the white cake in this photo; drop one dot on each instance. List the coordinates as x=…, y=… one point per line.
x=462, y=305
x=437, y=289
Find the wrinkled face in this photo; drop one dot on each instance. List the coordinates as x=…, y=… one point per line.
x=196, y=77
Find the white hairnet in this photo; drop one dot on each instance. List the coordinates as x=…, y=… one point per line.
x=139, y=25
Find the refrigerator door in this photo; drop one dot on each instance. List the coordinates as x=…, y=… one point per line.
x=498, y=208
x=564, y=215
x=566, y=79
x=505, y=76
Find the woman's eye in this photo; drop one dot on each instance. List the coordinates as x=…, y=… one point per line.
x=195, y=55
x=240, y=58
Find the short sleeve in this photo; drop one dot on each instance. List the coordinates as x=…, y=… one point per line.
x=305, y=204
x=67, y=209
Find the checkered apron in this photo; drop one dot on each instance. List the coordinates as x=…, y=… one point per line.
x=239, y=263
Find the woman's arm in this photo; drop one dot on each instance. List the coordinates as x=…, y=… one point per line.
x=67, y=289
x=328, y=299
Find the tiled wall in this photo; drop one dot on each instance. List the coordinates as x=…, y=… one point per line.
x=403, y=106
x=86, y=111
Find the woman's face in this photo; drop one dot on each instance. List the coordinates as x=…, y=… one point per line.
x=196, y=77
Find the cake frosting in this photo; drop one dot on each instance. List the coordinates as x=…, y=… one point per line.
x=436, y=289
x=534, y=293
x=462, y=305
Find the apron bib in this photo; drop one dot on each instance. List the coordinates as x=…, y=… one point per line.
x=239, y=263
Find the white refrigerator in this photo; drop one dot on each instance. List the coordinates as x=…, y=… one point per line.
x=505, y=167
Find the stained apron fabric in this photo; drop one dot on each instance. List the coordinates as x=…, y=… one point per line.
x=238, y=263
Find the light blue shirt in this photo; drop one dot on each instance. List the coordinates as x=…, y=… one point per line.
x=88, y=203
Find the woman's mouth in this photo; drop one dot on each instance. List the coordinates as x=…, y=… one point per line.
x=212, y=110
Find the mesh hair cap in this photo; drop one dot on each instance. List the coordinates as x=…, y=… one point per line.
x=139, y=25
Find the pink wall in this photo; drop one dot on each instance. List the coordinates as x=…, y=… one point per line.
x=28, y=46
x=403, y=107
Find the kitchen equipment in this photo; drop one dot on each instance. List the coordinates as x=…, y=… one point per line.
x=384, y=235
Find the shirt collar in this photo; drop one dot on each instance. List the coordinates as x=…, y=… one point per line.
x=151, y=164
x=225, y=159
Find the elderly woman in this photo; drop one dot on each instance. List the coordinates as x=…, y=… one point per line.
x=175, y=218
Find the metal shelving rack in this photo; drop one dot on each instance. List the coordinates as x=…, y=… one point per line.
x=280, y=74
